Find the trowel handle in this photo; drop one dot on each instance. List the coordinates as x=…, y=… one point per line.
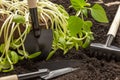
x=11, y=77
x=115, y=24
x=32, y=4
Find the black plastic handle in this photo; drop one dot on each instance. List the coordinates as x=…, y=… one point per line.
x=39, y=73
x=34, y=17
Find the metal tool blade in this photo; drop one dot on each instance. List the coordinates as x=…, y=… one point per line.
x=59, y=72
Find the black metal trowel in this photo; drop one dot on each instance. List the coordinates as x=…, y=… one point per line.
x=38, y=40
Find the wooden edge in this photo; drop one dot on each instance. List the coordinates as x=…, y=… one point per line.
x=32, y=3
x=11, y=77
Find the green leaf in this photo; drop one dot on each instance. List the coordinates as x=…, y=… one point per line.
x=90, y=36
x=51, y=54
x=62, y=40
x=85, y=12
x=11, y=67
x=98, y=13
x=14, y=57
x=2, y=46
x=56, y=35
x=21, y=52
x=21, y=57
x=87, y=26
x=19, y=19
x=5, y=65
x=78, y=4
x=75, y=24
x=65, y=51
x=34, y=55
x=69, y=43
x=86, y=43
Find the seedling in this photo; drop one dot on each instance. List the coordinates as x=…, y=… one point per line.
x=79, y=25
x=78, y=33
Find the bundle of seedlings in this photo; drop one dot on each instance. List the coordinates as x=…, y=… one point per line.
x=15, y=24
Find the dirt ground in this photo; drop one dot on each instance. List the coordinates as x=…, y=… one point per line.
x=90, y=67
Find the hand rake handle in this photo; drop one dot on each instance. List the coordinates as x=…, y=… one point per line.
x=115, y=24
x=11, y=77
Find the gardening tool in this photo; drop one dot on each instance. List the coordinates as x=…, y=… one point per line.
x=38, y=39
x=112, y=52
x=42, y=73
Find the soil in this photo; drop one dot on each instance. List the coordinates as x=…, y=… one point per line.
x=91, y=68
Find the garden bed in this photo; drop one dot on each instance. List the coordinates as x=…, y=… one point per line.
x=90, y=68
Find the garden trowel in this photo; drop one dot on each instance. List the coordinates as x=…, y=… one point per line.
x=43, y=74
x=39, y=39
x=110, y=52
x=47, y=70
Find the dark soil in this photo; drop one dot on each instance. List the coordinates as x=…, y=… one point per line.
x=90, y=68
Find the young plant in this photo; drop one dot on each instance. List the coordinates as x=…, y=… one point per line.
x=79, y=25
x=82, y=8
x=78, y=32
